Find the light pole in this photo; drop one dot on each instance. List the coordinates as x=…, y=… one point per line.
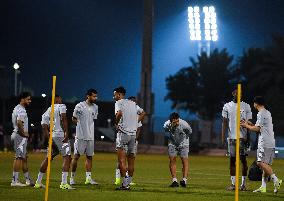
x=16, y=67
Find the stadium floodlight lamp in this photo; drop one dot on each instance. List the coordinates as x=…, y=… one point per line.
x=190, y=9
x=205, y=9
x=43, y=95
x=211, y=9
x=102, y=137
x=196, y=9
x=214, y=38
x=16, y=66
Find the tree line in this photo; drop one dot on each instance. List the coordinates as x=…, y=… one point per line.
x=203, y=87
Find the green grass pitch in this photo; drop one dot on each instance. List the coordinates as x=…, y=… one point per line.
x=208, y=179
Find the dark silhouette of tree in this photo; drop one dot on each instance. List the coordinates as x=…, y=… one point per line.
x=202, y=87
x=262, y=73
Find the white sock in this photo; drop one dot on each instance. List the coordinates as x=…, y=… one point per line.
x=39, y=177
x=125, y=181
x=72, y=175
x=88, y=175
x=185, y=180
x=243, y=180
x=129, y=180
x=233, y=180
x=274, y=178
x=117, y=173
x=15, y=177
x=64, y=177
x=175, y=179
x=27, y=176
x=264, y=180
x=126, y=173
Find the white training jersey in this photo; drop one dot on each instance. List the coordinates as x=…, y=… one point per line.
x=230, y=112
x=139, y=111
x=264, y=121
x=59, y=109
x=178, y=136
x=20, y=113
x=85, y=114
x=129, y=121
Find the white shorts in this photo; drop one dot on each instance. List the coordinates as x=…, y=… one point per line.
x=84, y=147
x=126, y=142
x=58, y=147
x=20, y=145
x=265, y=155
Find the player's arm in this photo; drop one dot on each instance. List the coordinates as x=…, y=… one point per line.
x=141, y=116
x=45, y=130
x=247, y=125
x=21, y=129
x=118, y=116
x=64, y=127
x=224, y=129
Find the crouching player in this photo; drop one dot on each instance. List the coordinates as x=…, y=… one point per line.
x=178, y=144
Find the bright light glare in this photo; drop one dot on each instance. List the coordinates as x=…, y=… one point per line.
x=16, y=66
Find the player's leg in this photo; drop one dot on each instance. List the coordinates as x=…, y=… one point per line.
x=243, y=159
x=20, y=154
x=117, y=175
x=184, y=158
x=244, y=172
x=25, y=169
x=43, y=166
x=232, y=153
x=130, y=161
x=66, y=155
x=269, y=172
x=172, y=152
x=89, y=162
x=78, y=150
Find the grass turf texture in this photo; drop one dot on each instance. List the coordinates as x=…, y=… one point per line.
x=208, y=179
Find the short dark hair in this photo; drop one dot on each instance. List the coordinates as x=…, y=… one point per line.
x=174, y=115
x=120, y=90
x=24, y=95
x=57, y=96
x=91, y=91
x=259, y=100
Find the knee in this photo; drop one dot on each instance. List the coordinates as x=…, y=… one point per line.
x=89, y=158
x=259, y=164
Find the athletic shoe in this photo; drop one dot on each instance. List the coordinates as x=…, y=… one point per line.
x=17, y=184
x=30, y=182
x=117, y=181
x=123, y=188
x=174, y=184
x=182, y=183
x=66, y=187
x=277, y=186
x=243, y=188
x=231, y=187
x=39, y=185
x=132, y=184
x=260, y=190
x=72, y=181
x=90, y=181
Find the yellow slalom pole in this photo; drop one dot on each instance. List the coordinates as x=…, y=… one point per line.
x=50, y=136
x=238, y=142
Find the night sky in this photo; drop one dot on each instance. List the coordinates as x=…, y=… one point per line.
x=97, y=43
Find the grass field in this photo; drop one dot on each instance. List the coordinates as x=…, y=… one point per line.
x=208, y=179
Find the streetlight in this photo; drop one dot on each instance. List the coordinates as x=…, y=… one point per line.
x=16, y=67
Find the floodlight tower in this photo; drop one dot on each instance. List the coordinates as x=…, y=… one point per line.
x=203, y=27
